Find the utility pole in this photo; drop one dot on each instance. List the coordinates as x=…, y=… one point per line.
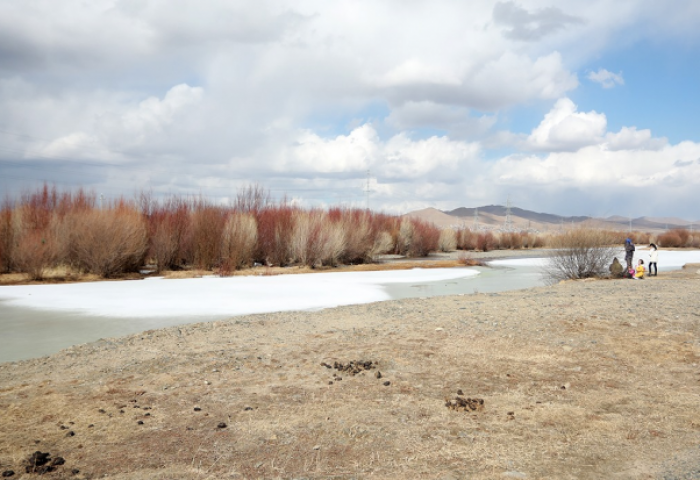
x=509, y=220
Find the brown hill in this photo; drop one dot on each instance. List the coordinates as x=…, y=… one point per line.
x=495, y=216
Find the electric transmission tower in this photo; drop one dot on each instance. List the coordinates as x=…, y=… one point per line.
x=509, y=220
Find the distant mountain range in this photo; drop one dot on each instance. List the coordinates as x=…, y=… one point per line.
x=494, y=217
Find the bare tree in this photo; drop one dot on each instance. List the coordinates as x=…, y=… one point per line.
x=580, y=253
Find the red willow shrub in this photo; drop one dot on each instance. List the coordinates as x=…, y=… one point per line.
x=238, y=242
x=485, y=241
x=275, y=226
x=316, y=239
x=207, y=226
x=417, y=238
x=34, y=252
x=510, y=241
x=466, y=239
x=34, y=247
x=108, y=242
x=676, y=238
x=6, y=238
x=169, y=231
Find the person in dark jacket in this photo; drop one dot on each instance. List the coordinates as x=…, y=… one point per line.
x=629, y=253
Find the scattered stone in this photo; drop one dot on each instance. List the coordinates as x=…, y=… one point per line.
x=248, y=408
x=378, y=374
x=70, y=434
x=387, y=383
x=460, y=392
x=140, y=422
x=8, y=473
x=317, y=447
x=465, y=404
x=197, y=409
x=221, y=425
x=75, y=471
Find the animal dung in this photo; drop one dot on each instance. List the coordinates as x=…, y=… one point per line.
x=465, y=404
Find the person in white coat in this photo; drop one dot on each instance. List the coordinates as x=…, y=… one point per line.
x=653, y=258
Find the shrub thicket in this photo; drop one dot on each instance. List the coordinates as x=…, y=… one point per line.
x=108, y=242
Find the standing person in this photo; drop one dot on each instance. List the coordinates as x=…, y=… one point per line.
x=653, y=258
x=629, y=253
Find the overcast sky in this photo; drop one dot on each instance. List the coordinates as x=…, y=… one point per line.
x=566, y=107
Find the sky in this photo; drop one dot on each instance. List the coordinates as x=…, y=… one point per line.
x=567, y=107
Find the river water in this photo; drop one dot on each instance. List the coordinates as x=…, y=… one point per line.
x=41, y=320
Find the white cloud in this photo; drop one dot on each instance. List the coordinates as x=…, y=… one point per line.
x=397, y=159
x=605, y=78
x=566, y=129
x=629, y=138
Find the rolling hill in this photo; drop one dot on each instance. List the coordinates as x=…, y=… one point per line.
x=493, y=217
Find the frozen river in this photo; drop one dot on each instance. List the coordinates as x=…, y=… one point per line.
x=38, y=320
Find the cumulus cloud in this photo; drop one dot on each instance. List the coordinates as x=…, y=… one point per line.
x=397, y=158
x=566, y=129
x=629, y=138
x=605, y=78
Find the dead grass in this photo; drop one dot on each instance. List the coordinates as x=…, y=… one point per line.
x=575, y=386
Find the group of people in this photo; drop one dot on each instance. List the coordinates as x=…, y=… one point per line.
x=637, y=272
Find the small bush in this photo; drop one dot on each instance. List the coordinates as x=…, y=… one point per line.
x=676, y=238
x=580, y=253
x=448, y=240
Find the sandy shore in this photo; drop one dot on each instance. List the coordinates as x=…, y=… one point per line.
x=580, y=380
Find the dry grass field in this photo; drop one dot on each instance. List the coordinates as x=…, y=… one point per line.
x=580, y=380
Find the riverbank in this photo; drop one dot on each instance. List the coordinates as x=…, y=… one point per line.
x=585, y=380
x=385, y=262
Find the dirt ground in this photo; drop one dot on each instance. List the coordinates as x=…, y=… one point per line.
x=579, y=380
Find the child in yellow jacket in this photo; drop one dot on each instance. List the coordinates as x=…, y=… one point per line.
x=639, y=271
